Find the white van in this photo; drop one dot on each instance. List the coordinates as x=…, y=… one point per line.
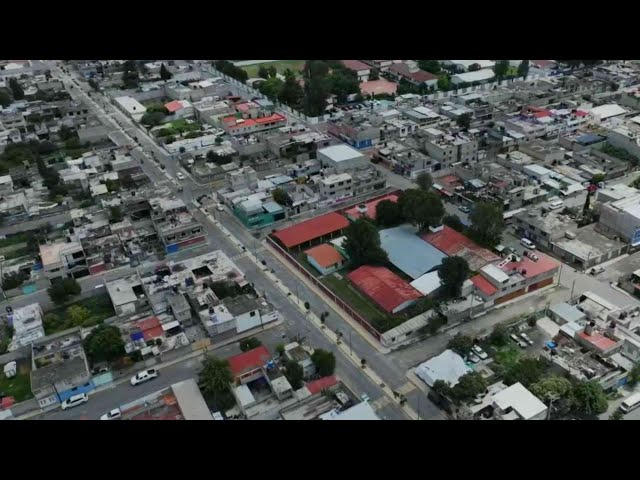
x=554, y=205
x=525, y=242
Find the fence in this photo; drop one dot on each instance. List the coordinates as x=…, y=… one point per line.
x=335, y=298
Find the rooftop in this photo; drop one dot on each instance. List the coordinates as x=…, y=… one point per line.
x=383, y=286
x=452, y=242
x=598, y=340
x=369, y=208
x=361, y=411
x=50, y=252
x=340, y=153
x=325, y=255
x=248, y=361
x=311, y=229
x=448, y=366
x=521, y=400
x=355, y=65
x=408, y=252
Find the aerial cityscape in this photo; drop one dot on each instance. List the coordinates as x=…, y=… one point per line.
x=320, y=240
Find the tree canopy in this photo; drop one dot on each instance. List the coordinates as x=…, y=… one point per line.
x=130, y=78
x=499, y=336
x=464, y=121
x=468, y=386
x=5, y=98
x=487, y=223
x=453, y=272
x=214, y=380
x=324, y=361
x=589, y=399
x=16, y=89
x=424, y=181
x=294, y=374
x=281, y=197
x=453, y=221
x=165, y=74
x=388, y=214
x=362, y=244
x=461, y=344
x=249, y=344
x=523, y=68
x=553, y=387
x=291, y=92
x=501, y=68
x=526, y=370
x=422, y=209
x=104, y=344
x=63, y=290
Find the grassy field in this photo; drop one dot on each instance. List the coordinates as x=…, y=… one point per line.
x=18, y=387
x=100, y=307
x=281, y=66
x=358, y=302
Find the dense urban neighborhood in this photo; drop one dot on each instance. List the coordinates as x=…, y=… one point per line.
x=320, y=239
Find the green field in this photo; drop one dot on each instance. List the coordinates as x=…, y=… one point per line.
x=18, y=387
x=281, y=66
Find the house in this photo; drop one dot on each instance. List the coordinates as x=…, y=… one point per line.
x=127, y=295
x=384, y=287
x=295, y=353
x=235, y=125
x=368, y=209
x=622, y=218
x=454, y=243
x=361, y=69
x=509, y=403
x=331, y=225
x=325, y=258
x=130, y=107
x=238, y=314
x=179, y=109
x=6, y=184
x=413, y=74
x=448, y=367
x=479, y=76
x=59, y=368
x=408, y=252
x=356, y=129
x=179, y=307
x=464, y=65
x=447, y=148
x=361, y=411
x=341, y=157
x=546, y=65
x=63, y=259
x=27, y=325
x=175, y=226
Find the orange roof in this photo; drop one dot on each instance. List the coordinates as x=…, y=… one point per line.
x=325, y=255
x=321, y=384
x=232, y=120
x=355, y=65
x=247, y=361
x=173, y=106
x=311, y=229
x=383, y=286
x=598, y=340
x=452, y=243
x=483, y=285
x=372, y=206
x=378, y=87
x=148, y=323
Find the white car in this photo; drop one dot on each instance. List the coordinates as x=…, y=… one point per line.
x=144, y=376
x=75, y=400
x=525, y=242
x=112, y=415
x=472, y=357
x=526, y=338
x=480, y=352
x=220, y=207
x=180, y=176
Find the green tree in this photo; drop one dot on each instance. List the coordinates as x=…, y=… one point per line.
x=214, y=381
x=468, y=386
x=487, y=224
x=5, y=98
x=273, y=71
x=280, y=349
x=597, y=178
x=499, y=336
x=94, y=84
x=444, y=82
x=104, y=344
x=294, y=374
x=77, y=315
x=461, y=344
x=65, y=133
x=589, y=399
x=263, y=72
x=453, y=272
x=249, y=343
x=115, y=213
x=422, y=209
x=16, y=89
x=464, y=121
x=453, y=221
x=130, y=78
x=501, y=68
x=442, y=388
x=388, y=214
x=474, y=67
x=634, y=375
x=553, y=387
x=151, y=119
x=523, y=68
x=63, y=290
x=617, y=415
x=424, y=181
x=291, y=92
x=526, y=370
x=13, y=280
x=431, y=66
x=374, y=75
x=324, y=361
x=165, y=74
x=362, y=244
x=281, y=197
x=271, y=87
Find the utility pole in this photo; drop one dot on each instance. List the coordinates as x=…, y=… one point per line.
x=572, y=287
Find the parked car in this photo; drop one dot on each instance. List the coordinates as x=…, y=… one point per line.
x=596, y=270
x=75, y=400
x=144, y=376
x=526, y=338
x=464, y=208
x=477, y=349
x=514, y=338
x=112, y=415
x=220, y=207
x=459, y=188
x=522, y=344
x=525, y=242
x=472, y=357
x=180, y=176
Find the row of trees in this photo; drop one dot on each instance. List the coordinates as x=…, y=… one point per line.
x=228, y=68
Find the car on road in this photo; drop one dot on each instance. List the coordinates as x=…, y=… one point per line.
x=525, y=242
x=144, y=376
x=596, y=270
x=220, y=207
x=180, y=176
x=477, y=349
x=112, y=414
x=75, y=400
x=464, y=208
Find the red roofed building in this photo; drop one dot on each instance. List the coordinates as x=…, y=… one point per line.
x=321, y=384
x=452, y=242
x=324, y=258
x=173, y=106
x=543, y=64
x=329, y=225
x=368, y=209
x=378, y=87
x=237, y=125
x=597, y=341
x=384, y=287
x=362, y=70
x=245, y=366
x=413, y=74
x=514, y=276
x=179, y=108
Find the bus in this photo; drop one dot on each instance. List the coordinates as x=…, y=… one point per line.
x=630, y=403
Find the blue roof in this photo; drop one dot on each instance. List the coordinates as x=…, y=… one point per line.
x=589, y=138
x=408, y=252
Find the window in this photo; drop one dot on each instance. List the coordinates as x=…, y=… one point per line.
x=183, y=234
x=252, y=314
x=171, y=238
x=195, y=231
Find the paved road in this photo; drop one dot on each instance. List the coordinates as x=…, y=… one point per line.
x=295, y=321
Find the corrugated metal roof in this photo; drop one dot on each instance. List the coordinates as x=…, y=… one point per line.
x=383, y=286
x=311, y=229
x=408, y=252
